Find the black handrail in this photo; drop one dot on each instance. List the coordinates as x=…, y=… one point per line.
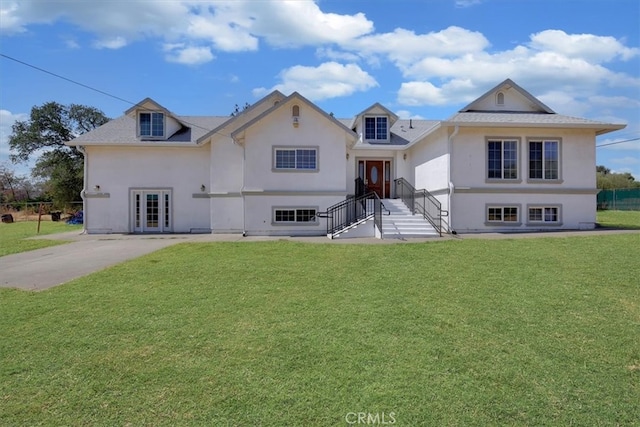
x=361, y=187
x=353, y=210
x=420, y=202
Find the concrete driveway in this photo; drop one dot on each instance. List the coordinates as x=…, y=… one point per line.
x=44, y=268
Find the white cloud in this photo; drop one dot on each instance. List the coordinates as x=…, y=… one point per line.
x=568, y=69
x=191, y=55
x=298, y=23
x=406, y=114
x=628, y=160
x=110, y=43
x=466, y=3
x=334, y=55
x=405, y=47
x=329, y=80
x=229, y=25
x=417, y=93
x=595, y=49
x=614, y=101
x=7, y=119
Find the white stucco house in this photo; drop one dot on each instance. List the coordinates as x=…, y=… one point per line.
x=505, y=162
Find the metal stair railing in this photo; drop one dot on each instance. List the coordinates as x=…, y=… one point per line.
x=364, y=205
x=420, y=202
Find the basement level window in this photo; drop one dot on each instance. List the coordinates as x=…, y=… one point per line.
x=294, y=215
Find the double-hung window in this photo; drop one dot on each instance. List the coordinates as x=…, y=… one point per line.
x=502, y=214
x=296, y=159
x=152, y=125
x=502, y=159
x=376, y=128
x=544, y=214
x=544, y=159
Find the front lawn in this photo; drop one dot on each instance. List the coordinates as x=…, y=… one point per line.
x=14, y=237
x=619, y=219
x=451, y=333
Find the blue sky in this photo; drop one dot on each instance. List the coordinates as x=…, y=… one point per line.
x=419, y=58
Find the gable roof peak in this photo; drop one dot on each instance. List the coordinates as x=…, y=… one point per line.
x=507, y=85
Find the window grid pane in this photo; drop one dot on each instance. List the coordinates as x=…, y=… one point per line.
x=550, y=160
x=495, y=214
x=285, y=159
x=369, y=128
x=381, y=128
x=157, y=124
x=510, y=214
x=305, y=215
x=495, y=159
x=145, y=124
x=305, y=159
x=535, y=160
x=285, y=215
x=535, y=214
x=510, y=160
x=550, y=214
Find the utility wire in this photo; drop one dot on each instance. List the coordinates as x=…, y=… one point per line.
x=91, y=88
x=67, y=79
x=617, y=142
x=192, y=124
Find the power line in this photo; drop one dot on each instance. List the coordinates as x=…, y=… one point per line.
x=91, y=88
x=617, y=142
x=192, y=124
x=67, y=79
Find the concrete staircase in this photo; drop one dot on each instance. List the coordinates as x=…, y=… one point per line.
x=401, y=223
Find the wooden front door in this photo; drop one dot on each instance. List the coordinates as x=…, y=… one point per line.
x=374, y=176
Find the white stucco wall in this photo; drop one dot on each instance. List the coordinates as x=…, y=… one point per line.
x=576, y=211
x=430, y=162
x=313, y=131
x=259, y=217
x=117, y=170
x=575, y=190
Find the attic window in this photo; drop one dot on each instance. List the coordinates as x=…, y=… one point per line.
x=152, y=125
x=375, y=128
x=295, y=111
x=500, y=98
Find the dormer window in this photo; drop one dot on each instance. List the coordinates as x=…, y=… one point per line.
x=152, y=125
x=376, y=128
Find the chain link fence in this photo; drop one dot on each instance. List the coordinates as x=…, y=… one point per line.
x=31, y=211
x=624, y=199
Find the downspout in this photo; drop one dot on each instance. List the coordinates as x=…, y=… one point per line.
x=451, y=186
x=244, y=213
x=83, y=193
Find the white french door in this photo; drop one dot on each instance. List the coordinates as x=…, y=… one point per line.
x=151, y=211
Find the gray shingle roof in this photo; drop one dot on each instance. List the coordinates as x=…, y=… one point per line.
x=403, y=132
x=123, y=131
x=501, y=117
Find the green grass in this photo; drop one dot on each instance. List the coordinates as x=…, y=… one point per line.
x=474, y=332
x=14, y=237
x=619, y=219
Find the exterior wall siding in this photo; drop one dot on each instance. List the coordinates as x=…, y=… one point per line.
x=575, y=190
x=117, y=170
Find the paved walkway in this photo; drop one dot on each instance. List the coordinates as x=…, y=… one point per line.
x=88, y=253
